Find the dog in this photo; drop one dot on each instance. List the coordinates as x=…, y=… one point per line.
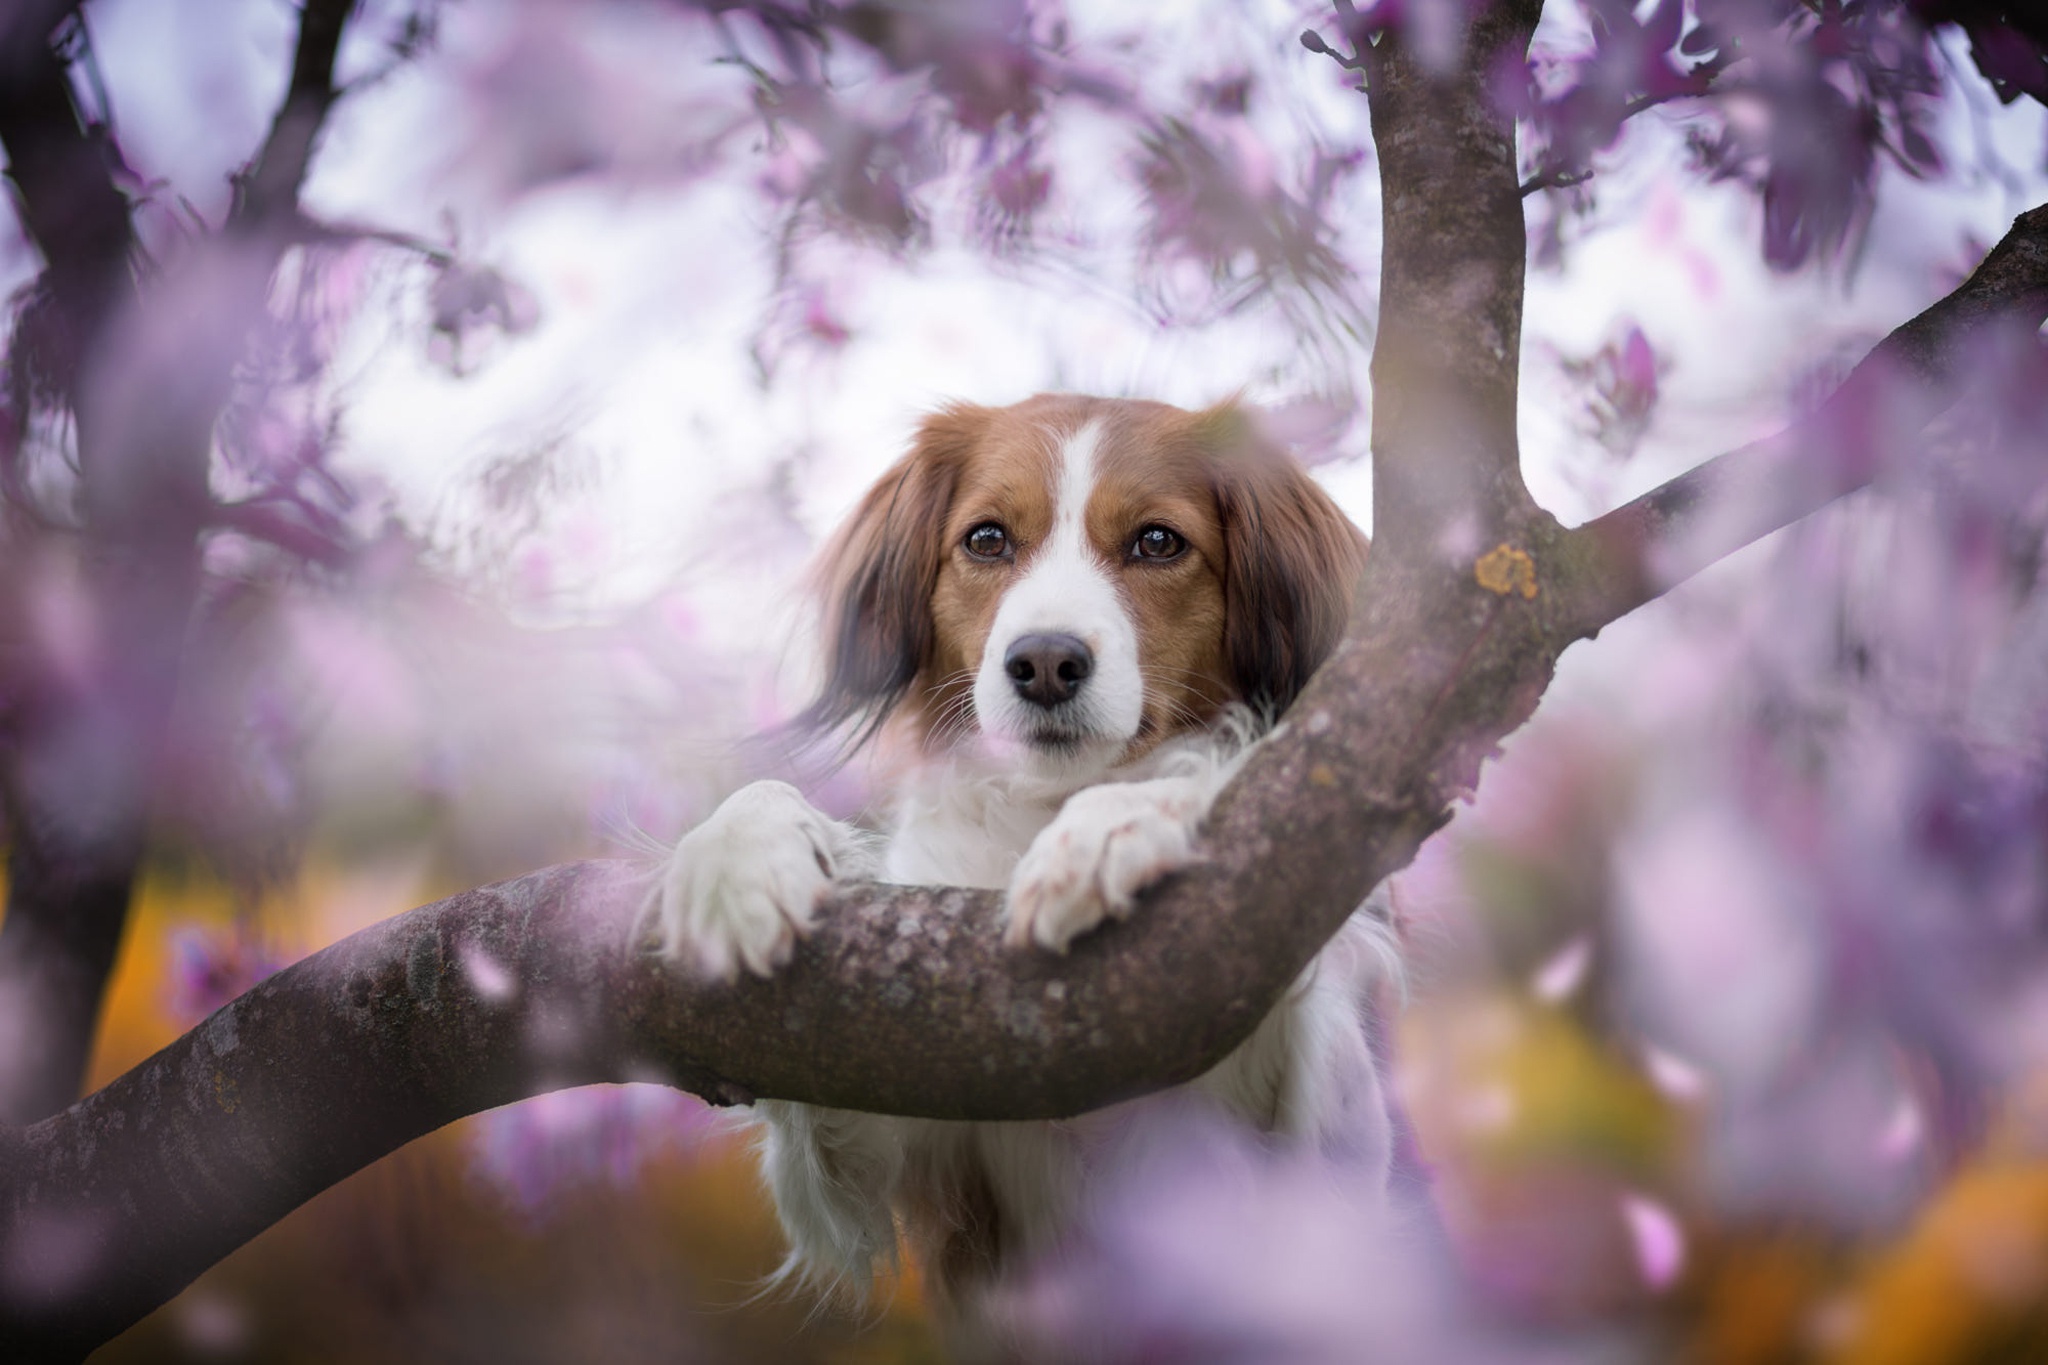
x=1063, y=618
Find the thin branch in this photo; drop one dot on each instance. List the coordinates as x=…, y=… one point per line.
x=1555, y=179
x=324, y=232
x=1316, y=43
x=1697, y=82
x=267, y=189
x=1640, y=550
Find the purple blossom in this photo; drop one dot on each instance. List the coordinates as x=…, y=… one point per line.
x=547, y=1147
x=1621, y=383
x=211, y=965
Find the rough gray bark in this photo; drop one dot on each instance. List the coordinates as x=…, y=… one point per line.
x=1446, y=467
x=903, y=1000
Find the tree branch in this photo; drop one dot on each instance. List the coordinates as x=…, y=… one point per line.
x=267, y=189
x=1698, y=81
x=1446, y=469
x=1642, y=549
x=69, y=205
x=904, y=1001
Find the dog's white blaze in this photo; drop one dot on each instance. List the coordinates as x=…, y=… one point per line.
x=1067, y=590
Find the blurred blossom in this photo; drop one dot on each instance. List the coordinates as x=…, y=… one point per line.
x=1753, y=951
x=1829, y=92
x=1817, y=1147
x=214, y=1325
x=822, y=320
x=546, y=1148
x=552, y=91
x=1565, y=972
x=1017, y=187
x=1316, y=427
x=1797, y=102
x=1215, y=1246
x=466, y=302
x=1724, y=960
x=487, y=976
x=211, y=965
x=1620, y=380
x=983, y=57
x=1676, y=1077
x=1659, y=1240
x=46, y=1251
x=1216, y=201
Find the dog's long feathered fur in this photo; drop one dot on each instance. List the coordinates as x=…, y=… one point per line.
x=1062, y=620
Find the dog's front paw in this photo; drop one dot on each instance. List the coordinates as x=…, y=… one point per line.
x=1107, y=844
x=740, y=888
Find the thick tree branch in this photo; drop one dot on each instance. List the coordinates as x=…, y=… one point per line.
x=1640, y=550
x=1446, y=469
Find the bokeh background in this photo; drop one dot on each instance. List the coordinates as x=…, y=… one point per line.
x=1726, y=1030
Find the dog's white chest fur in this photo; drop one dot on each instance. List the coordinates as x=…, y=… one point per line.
x=961, y=826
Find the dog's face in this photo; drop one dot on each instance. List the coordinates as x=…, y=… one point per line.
x=1074, y=579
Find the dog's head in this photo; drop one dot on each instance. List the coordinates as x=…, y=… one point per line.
x=1079, y=578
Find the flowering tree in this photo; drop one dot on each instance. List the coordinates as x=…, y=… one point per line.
x=161, y=462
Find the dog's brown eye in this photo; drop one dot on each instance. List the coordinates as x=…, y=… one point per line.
x=1158, y=542
x=988, y=541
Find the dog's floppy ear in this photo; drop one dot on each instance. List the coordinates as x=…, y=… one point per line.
x=876, y=579
x=1291, y=557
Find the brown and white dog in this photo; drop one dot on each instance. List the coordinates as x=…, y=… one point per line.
x=1063, y=612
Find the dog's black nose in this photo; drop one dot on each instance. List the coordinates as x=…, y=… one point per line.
x=1048, y=669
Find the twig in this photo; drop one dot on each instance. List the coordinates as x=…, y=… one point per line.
x=267, y=189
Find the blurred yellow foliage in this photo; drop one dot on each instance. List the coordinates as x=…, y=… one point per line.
x=1497, y=1080
x=1968, y=1283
